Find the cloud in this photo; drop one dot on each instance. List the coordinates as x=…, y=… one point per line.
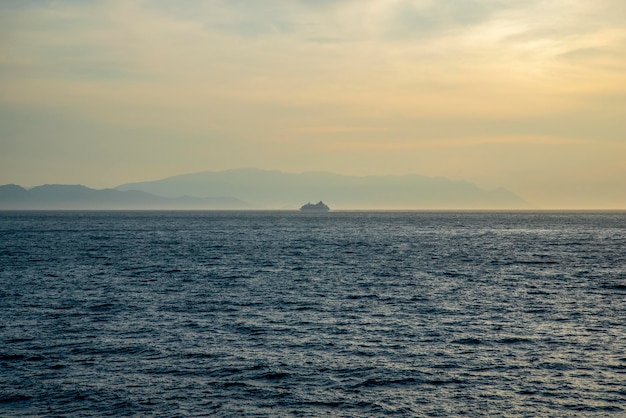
x=418, y=18
x=334, y=82
x=249, y=18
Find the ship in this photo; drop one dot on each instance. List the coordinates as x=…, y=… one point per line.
x=318, y=207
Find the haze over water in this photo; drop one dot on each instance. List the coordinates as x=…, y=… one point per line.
x=528, y=96
x=286, y=313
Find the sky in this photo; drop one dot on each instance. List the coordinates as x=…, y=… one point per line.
x=530, y=96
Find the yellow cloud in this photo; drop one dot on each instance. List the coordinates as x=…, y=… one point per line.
x=349, y=85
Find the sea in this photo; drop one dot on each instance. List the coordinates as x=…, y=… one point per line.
x=282, y=313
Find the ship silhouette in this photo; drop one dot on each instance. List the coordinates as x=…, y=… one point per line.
x=318, y=207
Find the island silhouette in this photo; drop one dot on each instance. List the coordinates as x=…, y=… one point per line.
x=241, y=189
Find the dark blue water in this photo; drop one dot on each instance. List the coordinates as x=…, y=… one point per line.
x=292, y=314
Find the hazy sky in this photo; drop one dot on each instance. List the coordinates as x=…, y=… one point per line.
x=528, y=95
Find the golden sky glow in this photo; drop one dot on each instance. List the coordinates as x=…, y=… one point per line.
x=530, y=95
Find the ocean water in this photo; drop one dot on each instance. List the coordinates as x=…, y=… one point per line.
x=294, y=314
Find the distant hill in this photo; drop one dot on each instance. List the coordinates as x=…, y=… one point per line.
x=55, y=196
x=275, y=189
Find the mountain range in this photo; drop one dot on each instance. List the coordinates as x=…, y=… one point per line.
x=267, y=189
x=59, y=196
x=279, y=190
